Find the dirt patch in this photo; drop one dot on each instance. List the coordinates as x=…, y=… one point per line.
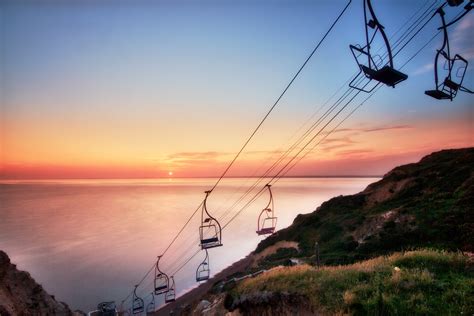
x=374, y=226
x=385, y=191
x=273, y=249
x=269, y=303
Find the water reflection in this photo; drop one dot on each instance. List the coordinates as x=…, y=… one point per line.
x=88, y=241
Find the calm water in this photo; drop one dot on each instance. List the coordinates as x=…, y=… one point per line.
x=90, y=241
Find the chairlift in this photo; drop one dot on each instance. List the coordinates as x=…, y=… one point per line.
x=170, y=296
x=150, y=308
x=455, y=3
x=138, y=306
x=203, y=271
x=161, y=281
x=455, y=67
x=121, y=309
x=107, y=309
x=267, y=221
x=210, y=231
x=378, y=71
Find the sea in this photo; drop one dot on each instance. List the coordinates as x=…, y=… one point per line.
x=88, y=241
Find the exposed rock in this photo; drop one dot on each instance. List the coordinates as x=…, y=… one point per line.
x=384, y=190
x=202, y=306
x=256, y=257
x=375, y=225
x=21, y=295
x=270, y=303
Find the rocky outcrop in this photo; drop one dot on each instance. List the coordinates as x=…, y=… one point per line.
x=270, y=303
x=21, y=295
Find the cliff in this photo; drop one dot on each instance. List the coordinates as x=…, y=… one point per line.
x=21, y=295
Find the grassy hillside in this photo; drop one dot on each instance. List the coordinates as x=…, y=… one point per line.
x=424, y=282
x=425, y=204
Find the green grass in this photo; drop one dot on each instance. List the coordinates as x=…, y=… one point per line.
x=436, y=204
x=421, y=282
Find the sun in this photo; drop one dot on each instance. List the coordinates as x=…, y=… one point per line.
x=170, y=173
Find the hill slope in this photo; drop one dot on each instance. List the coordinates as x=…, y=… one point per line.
x=419, y=205
x=423, y=282
x=429, y=203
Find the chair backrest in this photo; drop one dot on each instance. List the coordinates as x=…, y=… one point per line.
x=161, y=281
x=170, y=296
x=210, y=230
x=138, y=305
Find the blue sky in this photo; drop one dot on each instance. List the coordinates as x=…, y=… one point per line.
x=188, y=68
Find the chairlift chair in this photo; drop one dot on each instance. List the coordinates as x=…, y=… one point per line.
x=455, y=3
x=455, y=67
x=150, y=308
x=107, y=309
x=449, y=87
x=121, y=310
x=371, y=69
x=161, y=281
x=138, y=306
x=203, y=271
x=170, y=296
x=210, y=231
x=267, y=221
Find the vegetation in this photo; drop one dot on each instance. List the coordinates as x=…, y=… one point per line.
x=367, y=246
x=422, y=282
x=427, y=204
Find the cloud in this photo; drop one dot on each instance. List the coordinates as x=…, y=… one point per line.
x=386, y=128
x=331, y=144
x=354, y=152
x=336, y=143
x=423, y=69
x=196, y=155
x=461, y=38
x=345, y=140
x=329, y=148
x=186, y=159
x=375, y=129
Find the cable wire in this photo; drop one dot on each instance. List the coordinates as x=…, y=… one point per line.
x=257, y=128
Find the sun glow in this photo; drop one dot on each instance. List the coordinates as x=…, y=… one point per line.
x=170, y=173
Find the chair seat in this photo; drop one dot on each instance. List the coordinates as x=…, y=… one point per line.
x=138, y=309
x=210, y=243
x=265, y=231
x=161, y=290
x=451, y=84
x=202, y=278
x=209, y=240
x=386, y=75
x=438, y=94
x=207, y=245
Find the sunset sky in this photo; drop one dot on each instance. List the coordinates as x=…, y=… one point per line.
x=140, y=89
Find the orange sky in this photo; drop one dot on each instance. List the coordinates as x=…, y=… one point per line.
x=356, y=150
x=91, y=92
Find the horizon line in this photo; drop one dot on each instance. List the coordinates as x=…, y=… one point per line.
x=195, y=177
